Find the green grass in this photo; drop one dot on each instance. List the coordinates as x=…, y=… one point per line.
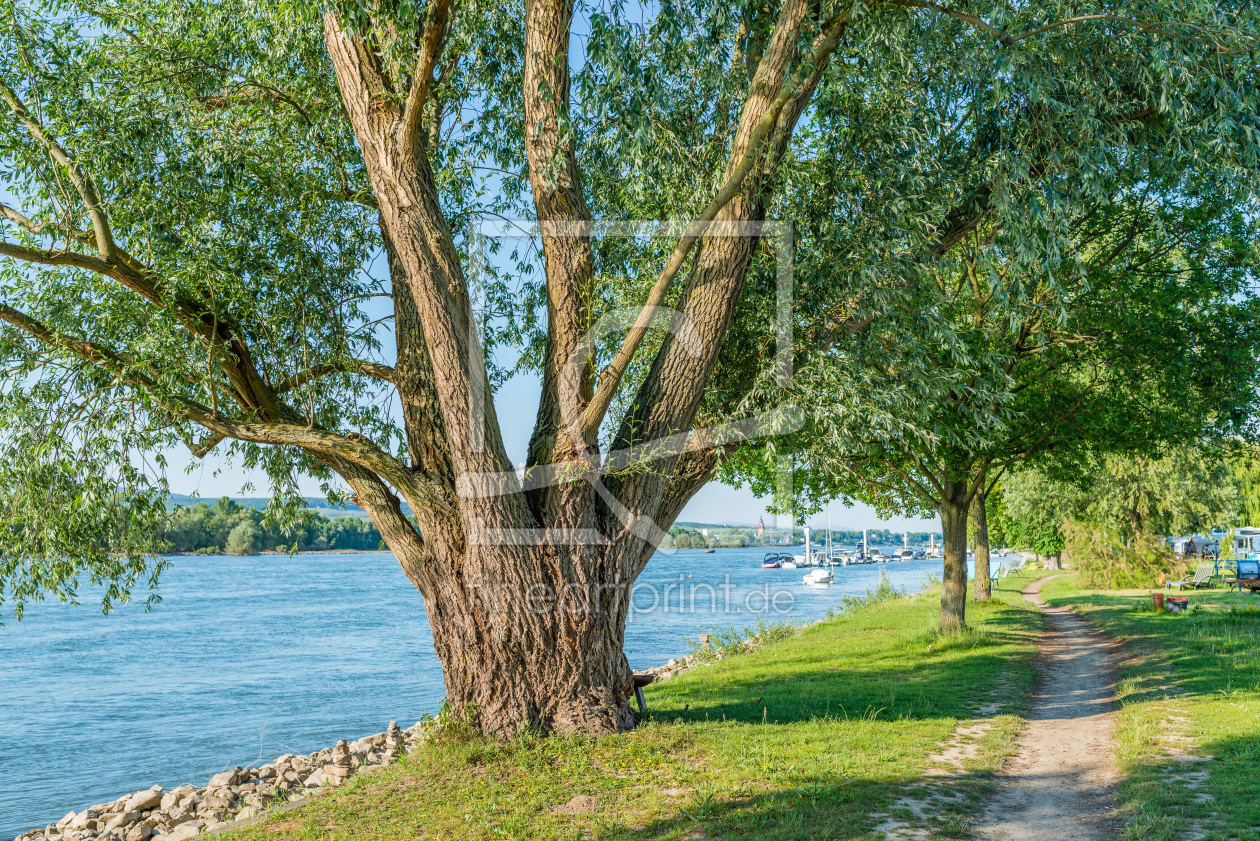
x=1189, y=686
x=806, y=738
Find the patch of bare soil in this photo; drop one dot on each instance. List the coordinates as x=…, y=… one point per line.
x=1059, y=786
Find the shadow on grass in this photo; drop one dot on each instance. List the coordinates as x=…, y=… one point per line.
x=819, y=737
x=826, y=808
x=1219, y=790
x=1207, y=650
x=911, y=681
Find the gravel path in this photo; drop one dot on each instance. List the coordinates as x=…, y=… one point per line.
x=1058, y=786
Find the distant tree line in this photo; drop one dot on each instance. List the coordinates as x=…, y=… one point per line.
x=687, y=536
x=227, y=527
x=1110, y=520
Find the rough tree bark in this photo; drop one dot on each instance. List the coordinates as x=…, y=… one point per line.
x=526, y=582
x=954, y=503
x=980, y=527
x=527, y=585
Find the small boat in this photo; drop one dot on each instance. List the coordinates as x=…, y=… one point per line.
x=772, y=560
x=709, y=551
x=819, y=576
x=906, y=554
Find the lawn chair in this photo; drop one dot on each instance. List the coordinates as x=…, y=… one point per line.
x=1202, y=578
x=1247, y=577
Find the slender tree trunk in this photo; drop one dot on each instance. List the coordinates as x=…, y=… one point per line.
x=954, y=528
x=980, y=524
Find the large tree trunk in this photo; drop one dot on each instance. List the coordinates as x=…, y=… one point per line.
x=980, y=525
x=524, y=645
x=527, y=581
x=528, y=614
x=953, y=509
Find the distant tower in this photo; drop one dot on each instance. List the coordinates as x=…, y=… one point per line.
x=761, y=526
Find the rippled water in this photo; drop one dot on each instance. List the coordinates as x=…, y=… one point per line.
x=256, y=656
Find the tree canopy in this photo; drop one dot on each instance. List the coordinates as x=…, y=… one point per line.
x=205, y=199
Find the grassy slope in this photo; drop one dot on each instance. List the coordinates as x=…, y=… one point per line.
x=1203, y=666
x=807, y=738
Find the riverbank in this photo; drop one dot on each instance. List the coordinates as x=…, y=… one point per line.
x=233, y=795
x=256, y=656
x=821, y=733
x=1187, y=729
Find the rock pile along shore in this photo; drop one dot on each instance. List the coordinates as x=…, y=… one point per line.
x=229, y=796
x=243, y=793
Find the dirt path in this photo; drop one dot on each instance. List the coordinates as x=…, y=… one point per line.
x=1058, y=786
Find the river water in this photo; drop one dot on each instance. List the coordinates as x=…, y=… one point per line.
x=250, y=657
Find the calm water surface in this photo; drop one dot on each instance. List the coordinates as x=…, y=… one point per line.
x=250, y=657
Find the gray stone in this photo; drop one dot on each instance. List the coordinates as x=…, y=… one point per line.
x=214, y=804
x=142, y=801
x=125, y=819
x=182, y=818
x=228, y=778
x=80, y=821
x=175, y=796
x=183, y=831
x=139, y=833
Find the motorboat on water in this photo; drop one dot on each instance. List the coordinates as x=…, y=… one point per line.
x=815, y=558
x=906, y=555
x=774, y=560
x=819, y=576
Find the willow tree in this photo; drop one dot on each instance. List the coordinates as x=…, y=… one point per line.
x=1144, y=346
x=197, y=194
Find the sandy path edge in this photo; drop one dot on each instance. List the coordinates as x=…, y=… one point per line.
x=1059, y=786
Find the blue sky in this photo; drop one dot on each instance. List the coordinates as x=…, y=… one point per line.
x=516, y=404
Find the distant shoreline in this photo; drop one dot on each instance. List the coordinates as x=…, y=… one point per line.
x=274, y=552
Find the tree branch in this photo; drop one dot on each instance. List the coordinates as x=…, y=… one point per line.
x=610, y=378
x=82, y=183
x=1158, y=27
x=431, y=46
x=351, y=366
x=420, y=492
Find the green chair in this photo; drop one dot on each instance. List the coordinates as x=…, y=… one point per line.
x=1202, y=578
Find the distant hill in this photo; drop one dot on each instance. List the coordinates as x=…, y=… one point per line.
x=691, y=525
x=317, y=504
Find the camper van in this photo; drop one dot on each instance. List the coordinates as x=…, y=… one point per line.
x=1245, y=542
x=1196, y=546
